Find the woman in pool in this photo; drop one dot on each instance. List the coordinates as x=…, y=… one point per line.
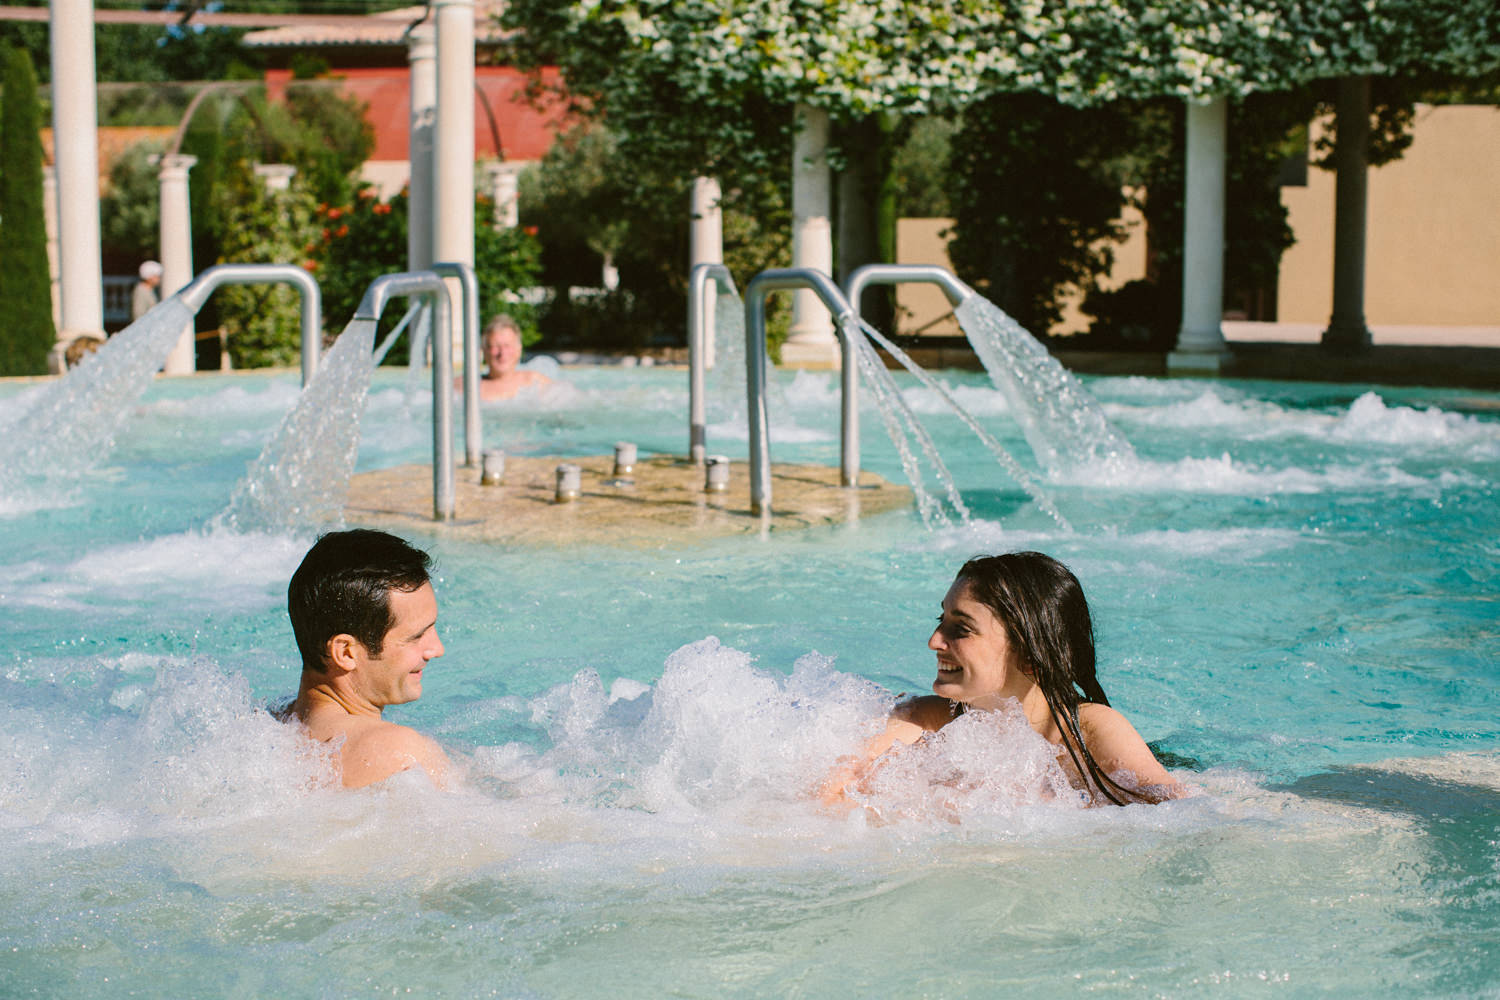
x=1017, y=626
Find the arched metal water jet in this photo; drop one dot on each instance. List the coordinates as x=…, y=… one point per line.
x=697, y=326
x=429, y=283
x=195, y=295
x=755, y=371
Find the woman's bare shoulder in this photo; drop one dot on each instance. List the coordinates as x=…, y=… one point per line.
x=927, y=711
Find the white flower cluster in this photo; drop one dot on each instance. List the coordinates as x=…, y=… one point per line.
x=917, y=56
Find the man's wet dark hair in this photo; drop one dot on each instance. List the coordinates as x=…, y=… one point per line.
x=1046, y=618
x=343, y=587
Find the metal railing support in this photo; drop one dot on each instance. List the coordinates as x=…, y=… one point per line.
x=901, y=274
x=470, y=285
x=197, y=291
x=697, y=324
x=755, y=374
x=409, y=283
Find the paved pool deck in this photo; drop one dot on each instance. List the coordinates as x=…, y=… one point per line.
x=661, y=502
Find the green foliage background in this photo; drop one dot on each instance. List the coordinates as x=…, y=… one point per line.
x=591, y=196
x=27, y=334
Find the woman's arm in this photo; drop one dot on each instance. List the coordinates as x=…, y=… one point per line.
x=909, y=722
x=1116, y=746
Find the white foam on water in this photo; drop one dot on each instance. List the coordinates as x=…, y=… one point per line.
x=1153, y=390
x=209, y=568
x=224, y=568
x=978, y=401
x=1226, y=475
x=716, y=763
x=814, y=391
x=1255, y=419
x=996, y=536
x=272, y=399
x=1370, y=420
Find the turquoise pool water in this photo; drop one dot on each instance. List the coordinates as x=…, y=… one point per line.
x=1294, y=585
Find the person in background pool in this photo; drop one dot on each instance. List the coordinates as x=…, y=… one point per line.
x=365, y=617
x=1017, y=626
x=501, y=345
x=147, y=292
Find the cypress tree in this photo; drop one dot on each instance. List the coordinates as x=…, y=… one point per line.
x=27, y=334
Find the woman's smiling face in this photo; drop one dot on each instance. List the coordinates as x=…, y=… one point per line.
x=976, y=663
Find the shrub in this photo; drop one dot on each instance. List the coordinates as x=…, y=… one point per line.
x=358, y=242
x=28, y=334
x=263, y=322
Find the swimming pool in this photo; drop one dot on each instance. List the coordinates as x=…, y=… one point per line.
x=1294, y=585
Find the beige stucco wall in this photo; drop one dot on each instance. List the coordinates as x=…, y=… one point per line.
x=1433, y=244
x=923, y=308
x=1432, y=256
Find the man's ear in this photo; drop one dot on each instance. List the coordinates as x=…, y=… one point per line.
x=342, y=652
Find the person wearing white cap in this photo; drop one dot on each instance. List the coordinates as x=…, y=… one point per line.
x=147, y=293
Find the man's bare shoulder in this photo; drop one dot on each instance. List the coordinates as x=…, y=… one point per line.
x=376, y=750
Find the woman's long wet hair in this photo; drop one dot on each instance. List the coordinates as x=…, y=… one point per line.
x=1041, y=605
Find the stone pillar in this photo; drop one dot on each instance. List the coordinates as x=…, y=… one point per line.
x=177, y=250
x=504, y=188
x=1200, y=342
x=811, y=342
x=276, y=176
x=706, y=246
x=1346, y=327
x=421, y=57
x=75, y=132
x=49, y=214
x=453, y=148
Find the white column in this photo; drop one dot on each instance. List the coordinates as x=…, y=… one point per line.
x=49, y=214
x=421, y=56
x=275, y=176
x=811, y=342
x=453, y=147
x=177, y=250
x=1200, y=342
x=706, y=246
x=504, y=188
x=75, y=132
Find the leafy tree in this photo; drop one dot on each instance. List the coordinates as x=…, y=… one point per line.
x=145, y=53
x=262, y=322
x=1037, y=189
x=697, y=86
x=28, y=334
x=588, y=196
x=919, y=167
x=130, y=210
x=318, y=130
x=1263, y=133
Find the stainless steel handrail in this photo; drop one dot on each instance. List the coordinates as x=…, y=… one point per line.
x=898, y=274
x=470, y=286
x=383, y=289
x=698, y=281
x=755, y=374
x=197, y=291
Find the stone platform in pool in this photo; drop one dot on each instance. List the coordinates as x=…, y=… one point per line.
x=662, y=502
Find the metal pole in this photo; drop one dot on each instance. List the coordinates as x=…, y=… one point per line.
x=755, y=374
x=698, y=305
x=370, y=307
x=197, y=292
x=469, y=284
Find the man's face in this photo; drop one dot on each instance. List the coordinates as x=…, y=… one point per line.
x=502, y=349
x=395, y=676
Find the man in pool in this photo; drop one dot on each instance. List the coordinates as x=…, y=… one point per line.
x=503, y=377
x=365, y=617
